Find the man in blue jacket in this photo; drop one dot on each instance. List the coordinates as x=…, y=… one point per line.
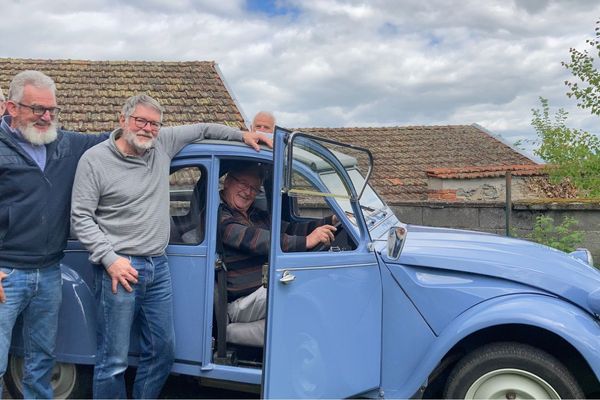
x=37, y=167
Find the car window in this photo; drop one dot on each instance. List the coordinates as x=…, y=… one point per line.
x=307, y=206
x=187, y=189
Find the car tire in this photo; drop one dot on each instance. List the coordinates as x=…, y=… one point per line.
x=511, y=370
x=69, y=381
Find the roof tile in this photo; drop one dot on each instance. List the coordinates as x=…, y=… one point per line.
x=91, y=93
x=403, y=155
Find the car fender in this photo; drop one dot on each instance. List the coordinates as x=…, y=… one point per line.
x=546, y=312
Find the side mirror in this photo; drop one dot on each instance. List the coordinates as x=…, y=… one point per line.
x=395, y=242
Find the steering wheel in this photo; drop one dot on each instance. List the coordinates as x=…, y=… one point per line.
x=322, y=246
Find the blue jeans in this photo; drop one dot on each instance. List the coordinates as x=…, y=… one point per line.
x=35, y=294
x=149, y=305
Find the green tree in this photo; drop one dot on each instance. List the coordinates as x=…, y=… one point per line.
x=587, y=89
x=572, y=153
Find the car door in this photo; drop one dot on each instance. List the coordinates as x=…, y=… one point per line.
x=323, y=335
x=189, y=260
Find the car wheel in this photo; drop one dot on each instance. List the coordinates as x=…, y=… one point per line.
x=511, y=371
x=69, y=381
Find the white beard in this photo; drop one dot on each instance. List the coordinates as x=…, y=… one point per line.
x=140, y=147
x=34, y=136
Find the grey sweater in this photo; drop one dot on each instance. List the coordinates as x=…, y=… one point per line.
x=120, y=204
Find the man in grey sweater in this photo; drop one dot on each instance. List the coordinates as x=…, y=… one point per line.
x=120, y=212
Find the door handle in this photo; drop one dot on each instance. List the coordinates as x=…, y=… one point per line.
x=287, y=277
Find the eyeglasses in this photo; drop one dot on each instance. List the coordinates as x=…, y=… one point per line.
x=142, y=122
x=40, y=110
x=246, y=186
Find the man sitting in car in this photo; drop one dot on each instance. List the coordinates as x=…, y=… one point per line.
x=245, y=234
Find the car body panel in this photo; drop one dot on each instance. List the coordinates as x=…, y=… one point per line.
x=529, y=309
x=513, y=261
x=333, y=292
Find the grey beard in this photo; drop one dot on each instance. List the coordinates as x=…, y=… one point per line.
x=34, y=136
x=133, y=142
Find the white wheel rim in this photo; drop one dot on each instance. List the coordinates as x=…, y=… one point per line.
x=510, y=383
x=63, y=377
x=63, y=381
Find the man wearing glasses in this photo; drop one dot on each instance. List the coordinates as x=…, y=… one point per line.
x=37, y=166
x=245, y=232
x=120, y=212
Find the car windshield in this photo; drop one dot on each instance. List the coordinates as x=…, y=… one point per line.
x=334, y=163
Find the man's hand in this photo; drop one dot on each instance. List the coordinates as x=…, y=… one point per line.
x=122, y=272
x=252, y=139
x=2, y=295
x=322, y=234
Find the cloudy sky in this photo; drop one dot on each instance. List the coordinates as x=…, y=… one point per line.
x=337, y=63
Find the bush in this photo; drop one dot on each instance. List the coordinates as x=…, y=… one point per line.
x=562, y=237
x=573, y=154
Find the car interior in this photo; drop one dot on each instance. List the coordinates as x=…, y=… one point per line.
x=188, y=211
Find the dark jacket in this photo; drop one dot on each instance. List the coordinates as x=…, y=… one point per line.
x=35, y=204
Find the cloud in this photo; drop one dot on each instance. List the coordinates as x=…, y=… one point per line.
x=333, y=62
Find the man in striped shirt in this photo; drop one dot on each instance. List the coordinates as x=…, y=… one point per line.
x=245, y=234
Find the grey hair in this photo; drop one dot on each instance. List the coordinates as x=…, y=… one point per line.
x=29, y=77
x=141, y=99
x=265, y=113
x=248, y=169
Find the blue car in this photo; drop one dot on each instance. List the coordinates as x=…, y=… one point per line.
x=389, y=310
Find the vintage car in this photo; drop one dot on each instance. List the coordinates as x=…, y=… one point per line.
x=388, y=310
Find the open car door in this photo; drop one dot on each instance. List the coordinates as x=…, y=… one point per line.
x=324, y=312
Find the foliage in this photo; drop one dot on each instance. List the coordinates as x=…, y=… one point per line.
x=587, y=91
x=572, y=153
x=562, y=237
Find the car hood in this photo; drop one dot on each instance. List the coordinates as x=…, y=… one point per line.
x=511, y=259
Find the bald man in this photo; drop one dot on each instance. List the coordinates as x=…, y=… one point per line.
x=264, y=121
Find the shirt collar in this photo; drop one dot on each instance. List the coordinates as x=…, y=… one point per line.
x=6, y=121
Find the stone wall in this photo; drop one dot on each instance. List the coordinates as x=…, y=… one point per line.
x=480, y=189
x=491, y=217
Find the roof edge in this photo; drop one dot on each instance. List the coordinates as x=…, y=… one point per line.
x=232, y=94
x=507, y=143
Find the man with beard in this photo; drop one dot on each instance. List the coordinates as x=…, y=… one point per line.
x=120, y=213
x=37, y=166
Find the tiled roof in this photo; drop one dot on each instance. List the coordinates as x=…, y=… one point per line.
x=404, y=154
x=485, y=172
x=91, y=93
